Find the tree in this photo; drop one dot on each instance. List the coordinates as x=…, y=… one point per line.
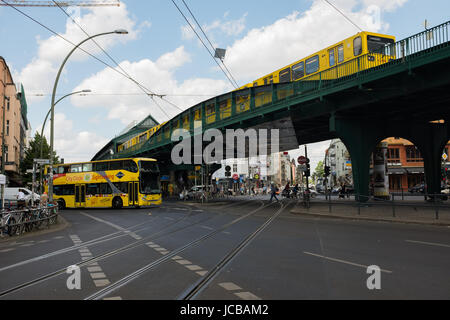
x=34, y=152
x=319, y=171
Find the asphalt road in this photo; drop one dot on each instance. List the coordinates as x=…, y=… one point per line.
x=162, y=253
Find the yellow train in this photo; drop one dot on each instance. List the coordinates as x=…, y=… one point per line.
x=372, y=49
x=144, y=136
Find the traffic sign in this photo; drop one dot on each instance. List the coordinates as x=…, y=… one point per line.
x=302, y=160
x=2, y=179
x=235, y=176
x=256, y=176
x=42, y=161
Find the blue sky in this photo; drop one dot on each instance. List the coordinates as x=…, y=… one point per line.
x=162, y=54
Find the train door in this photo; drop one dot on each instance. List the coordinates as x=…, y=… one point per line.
x=80, y=196
x=133, y=188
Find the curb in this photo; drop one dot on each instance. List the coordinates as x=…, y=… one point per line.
x=324, y=215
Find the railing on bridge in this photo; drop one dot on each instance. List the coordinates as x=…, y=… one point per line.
x=243, y=104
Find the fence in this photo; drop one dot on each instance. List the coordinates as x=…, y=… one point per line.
x=16, y=222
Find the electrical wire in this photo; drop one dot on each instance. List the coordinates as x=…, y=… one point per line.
x=201, y=40
x=343, y=15
x=212, y=47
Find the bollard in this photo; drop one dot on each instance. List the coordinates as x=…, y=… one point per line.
x=436, y=208
x=393, y=205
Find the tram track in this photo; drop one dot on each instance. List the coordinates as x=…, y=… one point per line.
x=154, y=236
x=154, y=264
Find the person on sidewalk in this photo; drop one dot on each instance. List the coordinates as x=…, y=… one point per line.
x=20, y=200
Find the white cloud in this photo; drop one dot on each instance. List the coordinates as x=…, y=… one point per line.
x=266, y=49
x=158, y=76
x=39, y=75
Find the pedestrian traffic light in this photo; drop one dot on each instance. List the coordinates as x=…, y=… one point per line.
x=327, y=171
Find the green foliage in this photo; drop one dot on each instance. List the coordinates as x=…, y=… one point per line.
x=34, y=152
x=319, y=171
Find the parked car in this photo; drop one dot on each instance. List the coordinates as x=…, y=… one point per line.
x=11, y=195
x=417, y=188
x=193, y=193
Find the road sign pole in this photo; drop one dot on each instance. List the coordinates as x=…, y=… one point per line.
x=34, y=181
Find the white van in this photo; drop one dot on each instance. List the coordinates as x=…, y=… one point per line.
x=11, y=195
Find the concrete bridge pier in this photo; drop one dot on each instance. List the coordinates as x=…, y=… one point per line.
x=362, y=134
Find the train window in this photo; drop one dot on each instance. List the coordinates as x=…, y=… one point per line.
x=331, y=56
x=378, y=44
x=268, y=80
x=341, y=53
x=87, y=167
x=298, y=71
x=357, y=46
x=312, y=65
x=285, y=75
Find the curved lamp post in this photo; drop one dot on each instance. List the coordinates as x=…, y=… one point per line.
x=52, y=118
x=45, y=121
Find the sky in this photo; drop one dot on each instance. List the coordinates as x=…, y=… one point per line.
x=163, y=55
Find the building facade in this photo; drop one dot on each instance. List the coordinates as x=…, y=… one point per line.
x=13, y=124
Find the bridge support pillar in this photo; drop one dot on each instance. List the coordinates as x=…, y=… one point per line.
x=360, y=138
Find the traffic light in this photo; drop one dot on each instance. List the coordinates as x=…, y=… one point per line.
x=327, y=171
x=308, y=171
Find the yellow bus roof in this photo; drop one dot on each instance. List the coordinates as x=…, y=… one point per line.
x=67, y=164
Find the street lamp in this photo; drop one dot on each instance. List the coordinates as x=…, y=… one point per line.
x=45, y=121
x=52, y=119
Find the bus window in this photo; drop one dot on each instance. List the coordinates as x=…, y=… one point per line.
x=130, y=165
x=331, y=57
x=68, y=190
x=76, y=168
x=285, y=75
x=101, y=166
x=298, y=71
x=115, y=165
x=87, y=167
x=341, y=53
x=104, y=188
x=122, y=186
x=58, y=190
x=357, y=46
x=92, y=189
x=312, y=65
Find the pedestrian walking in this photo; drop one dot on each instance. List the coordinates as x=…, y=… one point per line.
x=273, y=192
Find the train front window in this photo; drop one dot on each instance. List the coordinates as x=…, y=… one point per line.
x=149, y=177
x=378, y=44
x=357, y=46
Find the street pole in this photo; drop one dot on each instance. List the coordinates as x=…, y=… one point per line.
x=5, y=98
x=307, y=178
x=52, y=118
x=42, y=133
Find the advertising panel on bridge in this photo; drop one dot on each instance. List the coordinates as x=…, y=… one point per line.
x=380, y=174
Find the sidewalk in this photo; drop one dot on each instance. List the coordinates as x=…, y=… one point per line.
x=419, y=213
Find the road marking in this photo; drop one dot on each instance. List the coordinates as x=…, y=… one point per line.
x=197, y=210
x=58, y=237
x=230, y=286
x=150, y=243
x=182, y=209
x=208, y=228
x=26, y=245
x=113, y=298
x=101, y=283
x=43, y=241
x=98, y=275
x=343, y=261
x=153, y=246
x=94, y=269
x=430, y=243
x=160, y=249
x=86, y=254
x=176, y=258
x=6, y=250
x=247, y=296
x=194, y=267
x=183, y=261
x=202, y=273
x=164, y=252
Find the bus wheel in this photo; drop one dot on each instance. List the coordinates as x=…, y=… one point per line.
x=117, y=203
x=61, y=204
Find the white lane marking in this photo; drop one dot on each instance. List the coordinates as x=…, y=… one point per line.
x=113, y=298
x=202, y=273
x=343, y=261
x=429, y=243
x=182, y=209
x=94, y=269
x=43, y=241
x=101, y=283
x=58, y=237
x=205, y=227
x=183, y=261
x=98, y=275
x=176, y=258
x=150, y=243
x=194, y=267
x=26, y=245
x=6, y=250
x=164, y=252
x=230, y=286
x=247, y=296
x=197, y=210
x=153, y=246
x=84, y=250
x=160, y=249
x=86, y=254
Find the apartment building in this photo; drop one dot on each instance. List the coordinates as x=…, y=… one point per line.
x=13, y=124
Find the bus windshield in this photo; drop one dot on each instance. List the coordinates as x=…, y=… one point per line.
x=149, y=177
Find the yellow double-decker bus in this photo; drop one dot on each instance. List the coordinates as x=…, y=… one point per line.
x=118, y=183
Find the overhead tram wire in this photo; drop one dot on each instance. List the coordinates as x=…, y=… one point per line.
x=212, y=47
x=142, y=87
x=343, y=15
x=68, y=41
x=201, y=40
